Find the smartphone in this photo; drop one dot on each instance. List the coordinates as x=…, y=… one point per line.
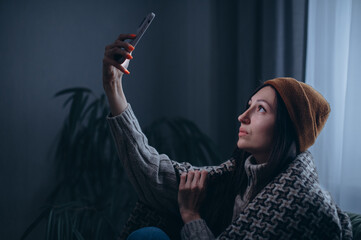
x=142, y=28
x=140, y=31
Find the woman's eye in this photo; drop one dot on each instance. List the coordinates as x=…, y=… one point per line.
x=261, y=109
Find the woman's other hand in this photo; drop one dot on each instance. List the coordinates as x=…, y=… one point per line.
x=191, y=194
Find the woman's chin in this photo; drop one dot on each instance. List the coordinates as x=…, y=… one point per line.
x=240, y=144
x=243, y=147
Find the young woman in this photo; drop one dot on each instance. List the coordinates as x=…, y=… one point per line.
x=268, y=189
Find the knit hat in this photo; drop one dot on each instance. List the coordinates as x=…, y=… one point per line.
x=307, y=108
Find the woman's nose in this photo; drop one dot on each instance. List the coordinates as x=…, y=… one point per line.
x=244, y=118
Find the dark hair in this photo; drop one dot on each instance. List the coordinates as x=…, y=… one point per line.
x=281, y=155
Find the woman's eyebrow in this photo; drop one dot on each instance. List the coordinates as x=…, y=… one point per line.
x=263, y=100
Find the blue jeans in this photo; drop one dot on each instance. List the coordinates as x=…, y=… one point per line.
x=148, y=233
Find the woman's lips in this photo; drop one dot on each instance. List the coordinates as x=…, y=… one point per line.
x=242, y=132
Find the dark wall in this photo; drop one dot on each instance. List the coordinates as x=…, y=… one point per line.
x=199, y=59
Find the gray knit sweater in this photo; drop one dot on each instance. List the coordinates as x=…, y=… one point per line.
x=152, y=174
x=291, y=207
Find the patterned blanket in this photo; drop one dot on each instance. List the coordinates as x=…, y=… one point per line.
x=292, y=206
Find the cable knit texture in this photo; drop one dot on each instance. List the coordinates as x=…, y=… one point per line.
x=254, y=172
x=196, y=229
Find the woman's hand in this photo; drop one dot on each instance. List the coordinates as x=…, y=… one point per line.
x=191, y=194
x=113, y=70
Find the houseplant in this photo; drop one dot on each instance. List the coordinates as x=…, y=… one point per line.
x=88, y=202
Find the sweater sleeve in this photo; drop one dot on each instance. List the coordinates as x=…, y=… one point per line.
x=196, y=229
x=152, y=174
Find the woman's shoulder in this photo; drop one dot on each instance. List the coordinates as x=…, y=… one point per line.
x=301, y=170
x=300, y=177
x=299, y=188
x=295, y=200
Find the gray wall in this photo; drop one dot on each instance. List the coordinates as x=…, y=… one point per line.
x=47, y=46
x=194, y=62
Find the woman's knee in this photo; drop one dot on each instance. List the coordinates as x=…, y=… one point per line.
x=150, y=233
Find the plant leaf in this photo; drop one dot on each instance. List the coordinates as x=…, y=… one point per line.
x=78, y=235
x=35, y=223
x=72, y=90
x=50, y=219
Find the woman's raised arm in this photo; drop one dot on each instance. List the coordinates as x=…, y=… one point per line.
x=113, y=71
x=152, y=174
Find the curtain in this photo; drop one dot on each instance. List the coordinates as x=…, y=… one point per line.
x=251, y=41
x=333, y=68
x=212, y=57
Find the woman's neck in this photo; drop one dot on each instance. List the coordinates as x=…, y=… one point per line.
x=261, y=157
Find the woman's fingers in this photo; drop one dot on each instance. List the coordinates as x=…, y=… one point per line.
x=125, y=36
x=195, y=180
x=189, y=180
x=120, y=44
x=191, y=194
x=112, y=62
x=203, y=178
x=117, y=53
x=183, y=178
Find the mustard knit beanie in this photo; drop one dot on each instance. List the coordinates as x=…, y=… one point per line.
x=307, y=108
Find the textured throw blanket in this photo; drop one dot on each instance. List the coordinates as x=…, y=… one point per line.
x=292, y=206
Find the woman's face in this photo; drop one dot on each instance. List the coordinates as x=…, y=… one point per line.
x=257, y=123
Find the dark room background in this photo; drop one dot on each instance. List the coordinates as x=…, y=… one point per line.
x=199, y=60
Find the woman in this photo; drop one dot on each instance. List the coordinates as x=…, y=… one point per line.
x=267, y=190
